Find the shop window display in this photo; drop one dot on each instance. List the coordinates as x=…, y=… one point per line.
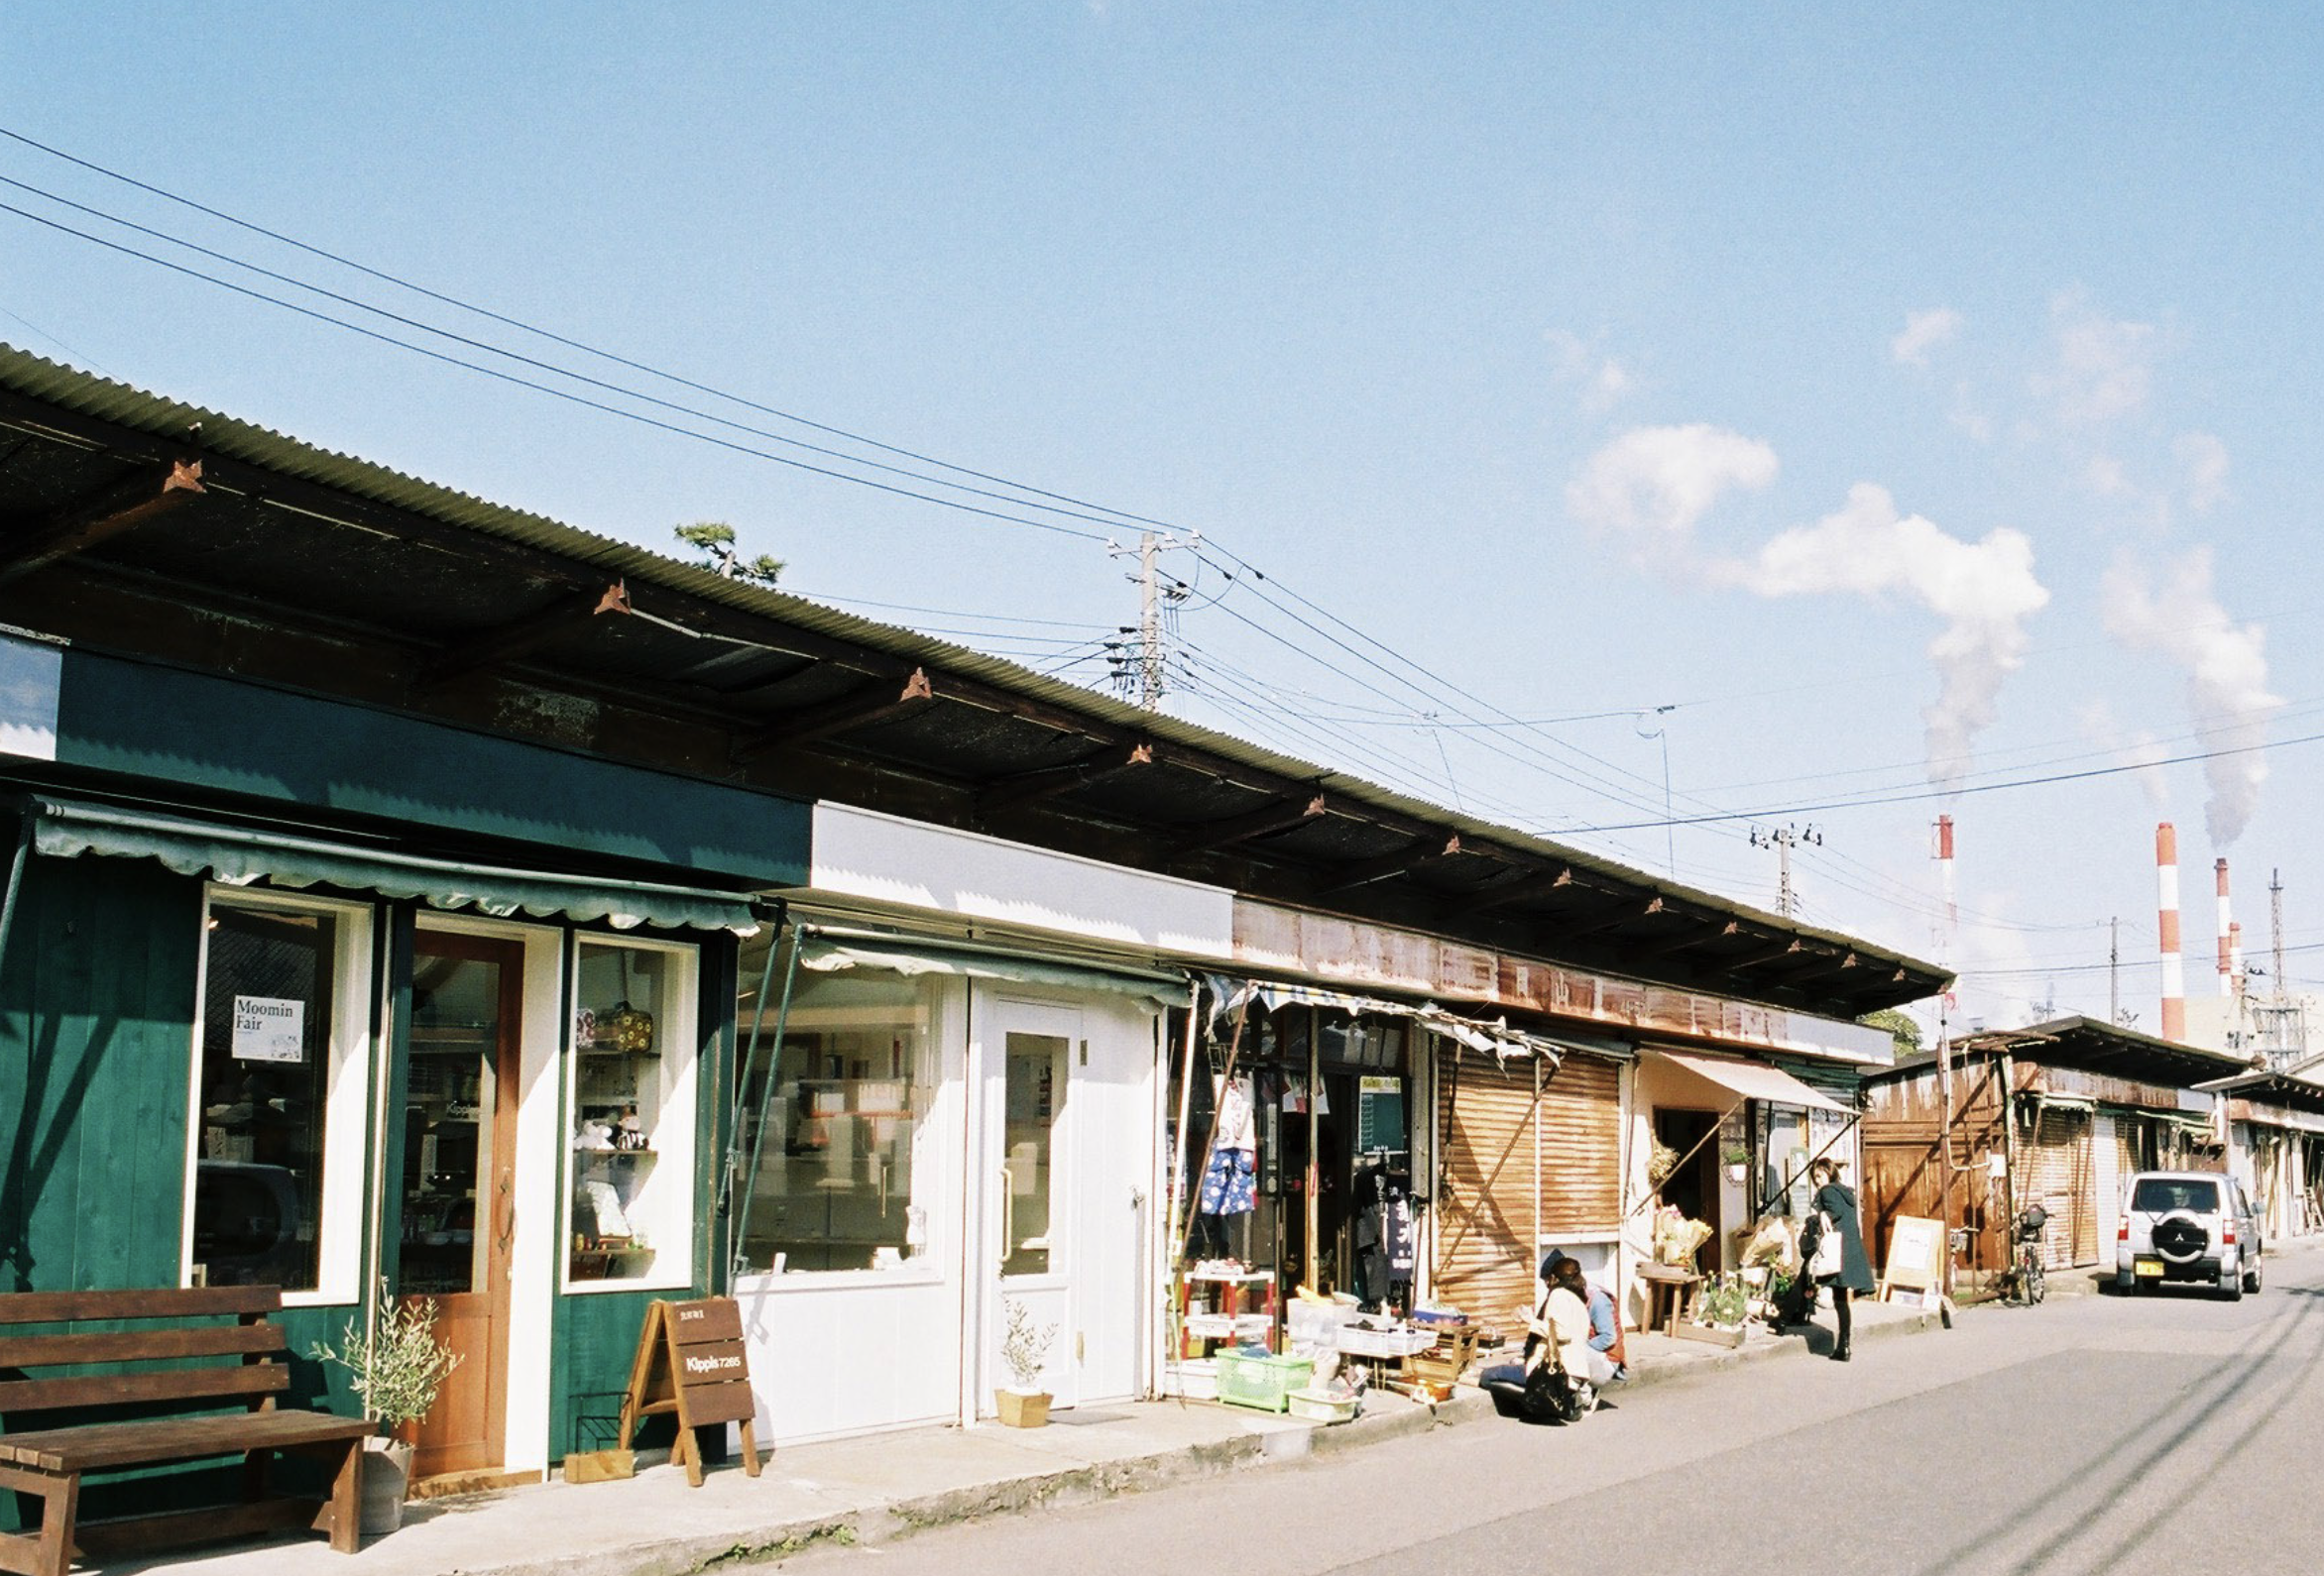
x=272, y=996
x=844, y=1124
x=632, y=1127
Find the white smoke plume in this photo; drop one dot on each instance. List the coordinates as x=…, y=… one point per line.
x=1985, y=592
x=2225, y=664
x=1663, y=479
x=2141, y=752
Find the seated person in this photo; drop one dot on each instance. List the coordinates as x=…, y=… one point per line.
x=1605, y=1331
x=1563, y=1324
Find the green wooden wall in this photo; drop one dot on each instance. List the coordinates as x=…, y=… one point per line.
x=96, y=1025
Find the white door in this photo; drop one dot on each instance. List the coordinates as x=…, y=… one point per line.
x=1031, y=1054
x=1067, y=1092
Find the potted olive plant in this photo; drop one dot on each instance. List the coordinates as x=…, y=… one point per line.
x=1024, y=1350
x=1738, y=1164
x=396, y=1370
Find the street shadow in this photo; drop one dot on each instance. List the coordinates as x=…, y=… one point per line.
x=2219, y=1385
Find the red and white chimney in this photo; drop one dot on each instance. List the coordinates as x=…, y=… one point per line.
x=2226, y=931
x=2175, y=979
x=1945, y=879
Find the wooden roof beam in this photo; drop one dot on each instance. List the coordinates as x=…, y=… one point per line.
x=1684, y=942
x=1522, y=889
x=877, y=702
x=146, y=495
x=1404, y=860
x=519, y=635
x=1620, y=912
x=1280, y=816
x=1031, y=787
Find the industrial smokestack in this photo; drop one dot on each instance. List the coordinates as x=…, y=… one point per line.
x=2235, y=957
x=1945, y=879
x=2226, y=931
x=2174, y=979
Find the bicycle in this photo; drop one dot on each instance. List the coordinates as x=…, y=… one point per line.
x=2025, y=1283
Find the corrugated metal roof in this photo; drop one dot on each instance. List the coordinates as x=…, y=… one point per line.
x=100, y=398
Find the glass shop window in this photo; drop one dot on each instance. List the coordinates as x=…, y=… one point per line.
x=835, y=1116
x=281, y=1014
x=632, y=1145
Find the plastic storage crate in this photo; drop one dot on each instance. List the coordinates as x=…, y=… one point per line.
x=1261, y=1380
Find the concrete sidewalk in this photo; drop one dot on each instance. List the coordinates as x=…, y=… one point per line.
x=889, y=1485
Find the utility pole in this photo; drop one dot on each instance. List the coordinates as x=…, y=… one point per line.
x=2276, y=927
x=1782, y=840
x=1151, y=666
x=2114, y=970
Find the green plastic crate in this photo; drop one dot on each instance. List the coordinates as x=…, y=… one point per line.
x=1262, y=1379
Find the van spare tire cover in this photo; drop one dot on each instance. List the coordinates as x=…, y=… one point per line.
x=2180, y=1237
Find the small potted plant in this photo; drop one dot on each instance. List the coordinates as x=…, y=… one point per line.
x=396, y=1370
x=1738, y=1162
x=1024, y=1350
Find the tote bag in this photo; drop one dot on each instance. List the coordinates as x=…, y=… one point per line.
x=1827, y=1261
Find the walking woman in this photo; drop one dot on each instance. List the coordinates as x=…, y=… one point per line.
x=1835, y=1202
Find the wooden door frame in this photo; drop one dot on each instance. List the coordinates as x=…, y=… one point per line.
x=509, y=951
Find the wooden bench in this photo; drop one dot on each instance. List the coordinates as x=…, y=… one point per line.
x=46, y=1463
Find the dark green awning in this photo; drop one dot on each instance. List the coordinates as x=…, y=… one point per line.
x=237, y=855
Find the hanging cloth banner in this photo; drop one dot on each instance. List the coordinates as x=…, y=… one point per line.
x=1229, y=995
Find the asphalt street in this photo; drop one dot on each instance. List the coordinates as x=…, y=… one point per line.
x=2092, y=1433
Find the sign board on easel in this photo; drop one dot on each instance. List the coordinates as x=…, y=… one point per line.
x=690, y=1361
x=1913, y=1269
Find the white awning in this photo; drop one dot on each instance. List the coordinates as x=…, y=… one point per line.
x=1753, y=1081
x=827, y=950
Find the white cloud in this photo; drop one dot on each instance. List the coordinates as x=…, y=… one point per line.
x=1967, y=416
x=2177, y=614
x=1983, y=590
x=1604, y=381
x=2104, y=476
x=2205, y=459
x=2101, y=368
x=1663, y=479
x=1923, y=332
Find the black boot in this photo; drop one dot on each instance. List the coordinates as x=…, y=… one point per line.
x=1840, y=1352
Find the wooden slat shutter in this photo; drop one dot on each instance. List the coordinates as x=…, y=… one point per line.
x=2062, y=1185
x=1582, y=1146
x=1487, y=1220
x=1485, y=1208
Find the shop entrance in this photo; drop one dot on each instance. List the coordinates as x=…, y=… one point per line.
x=1693, y=1188
x=459, y=1211
x=1031, y=1054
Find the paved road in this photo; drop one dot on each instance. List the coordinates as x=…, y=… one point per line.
x=2094, y=1434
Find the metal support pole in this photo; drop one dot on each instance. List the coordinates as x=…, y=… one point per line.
x=782, y=1017
x=1314, y=1169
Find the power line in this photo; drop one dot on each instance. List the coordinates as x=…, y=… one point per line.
x=1972, y=788
x=556, y=338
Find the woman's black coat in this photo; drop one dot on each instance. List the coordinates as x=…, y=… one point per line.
x=1838, y=1201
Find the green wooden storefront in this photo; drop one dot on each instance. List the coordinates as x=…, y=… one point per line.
x=100, y=970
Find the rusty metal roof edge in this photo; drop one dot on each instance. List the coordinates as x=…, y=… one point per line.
x=102, y=398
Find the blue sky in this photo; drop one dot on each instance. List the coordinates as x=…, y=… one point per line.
x=1595, y=359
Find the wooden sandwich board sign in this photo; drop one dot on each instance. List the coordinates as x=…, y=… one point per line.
x=1913, y=1270
x=690, y=1361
